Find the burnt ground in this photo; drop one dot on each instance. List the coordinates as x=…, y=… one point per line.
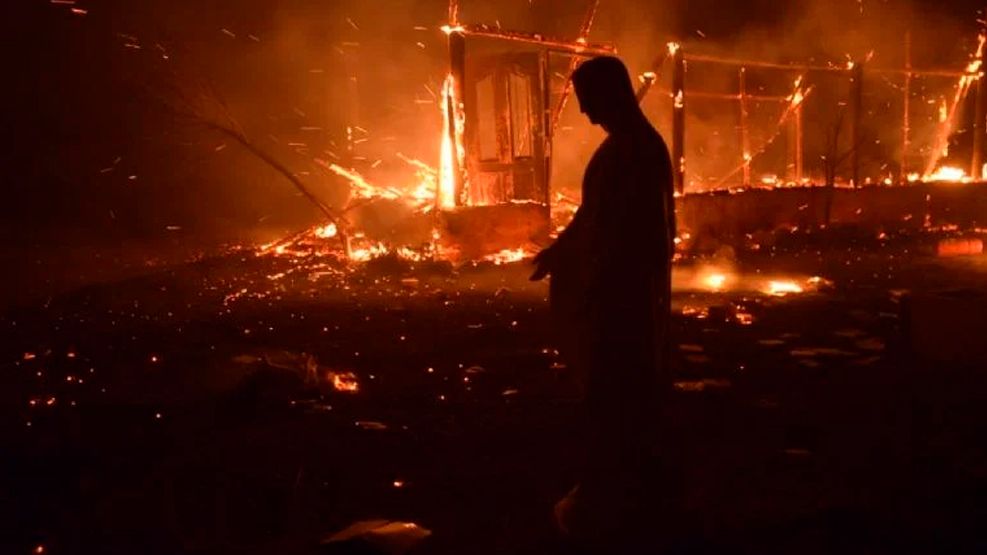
x=189, y=410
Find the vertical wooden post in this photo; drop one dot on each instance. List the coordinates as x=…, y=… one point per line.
x=856, y=117
x=457, y=68
x=979, y=123
x=906, y=110
x=745, y=136
x=678, y=121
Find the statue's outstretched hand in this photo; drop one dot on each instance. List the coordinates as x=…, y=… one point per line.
x=544, y=263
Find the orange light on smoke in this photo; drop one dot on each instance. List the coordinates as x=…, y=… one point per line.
x=959, y=247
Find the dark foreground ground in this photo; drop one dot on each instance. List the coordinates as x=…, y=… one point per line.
x=193, y=411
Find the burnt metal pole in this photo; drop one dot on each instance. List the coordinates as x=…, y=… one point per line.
x=678, y=120
x=856, y=117
x=745, y=135
x=906, y=110
x=979, y=123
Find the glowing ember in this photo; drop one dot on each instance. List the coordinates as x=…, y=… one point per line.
x=344, y=381
x=782, y=288
x=327, y=231
x=700, y=313
x=744, y=318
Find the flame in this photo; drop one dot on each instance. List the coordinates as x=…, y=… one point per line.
x=344, y=381
x=797, y=98
x=327, y=231
x=781, y=288
x=673, y=48
x=679, y=100
x=947, y=123
x=715, y=281
x=948, y=174
x=361, y=186
x=508, y=256
x=452, y=157
x=420, y=196
x=367, y=253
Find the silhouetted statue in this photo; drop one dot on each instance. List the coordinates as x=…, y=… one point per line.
x=610, y=294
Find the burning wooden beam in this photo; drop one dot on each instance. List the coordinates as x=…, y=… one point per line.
x=574, y=62
x=794, y=103
x=649, y=78
x=707, y=58
x=576, y=48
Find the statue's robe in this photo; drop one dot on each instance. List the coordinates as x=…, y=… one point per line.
x=610, y=292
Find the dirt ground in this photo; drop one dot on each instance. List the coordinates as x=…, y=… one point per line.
x=193, y=410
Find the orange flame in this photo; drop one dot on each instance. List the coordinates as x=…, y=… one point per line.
x=781, y=288
x=344, y=381
x=452, y=156
x=962, y=88
x=327, y=231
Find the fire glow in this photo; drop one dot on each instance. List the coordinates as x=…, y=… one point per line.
x=948, y=174
x=719, y=280
x=780, y=288
x=452, y=152
x=345, y=382
x=446, y=187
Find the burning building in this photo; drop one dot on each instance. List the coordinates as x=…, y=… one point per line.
x=492, y=189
